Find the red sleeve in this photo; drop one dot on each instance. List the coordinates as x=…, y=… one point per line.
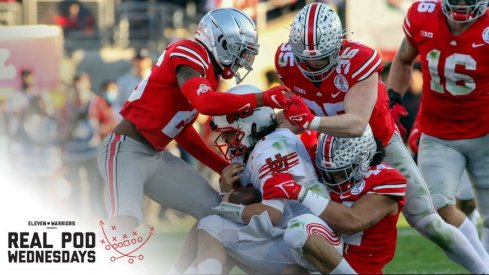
x=408, y=24
x=388, y=181
x=197, y=147
x=365, y=63
x=209, y=102
x=284, y=61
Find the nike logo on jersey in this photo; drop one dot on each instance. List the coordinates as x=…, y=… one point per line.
x=474, y=45
x=335, y=94
x=342, y=196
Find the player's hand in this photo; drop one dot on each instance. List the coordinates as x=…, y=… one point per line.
x=229, y=176
x=298, y=113
x=398, y=111
x=413, y=139
x=282, y=186
x=275, y=98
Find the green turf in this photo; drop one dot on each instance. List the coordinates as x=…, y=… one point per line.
x=414, y=254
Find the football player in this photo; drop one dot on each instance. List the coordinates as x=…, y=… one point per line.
x=182, y=83
x=252, y=234
x=454, y=117
x=338, y=81
x=367, y=196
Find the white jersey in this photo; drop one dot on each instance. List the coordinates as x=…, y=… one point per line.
x=281, y=152
x=259, y=244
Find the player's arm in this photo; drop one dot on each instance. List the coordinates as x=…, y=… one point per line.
x=239, y=212
x=359, y=103
x=401, y=69
x=191, y=141
x=206, y=101
x=258, y=208
x=243, y=213
x=366, y=212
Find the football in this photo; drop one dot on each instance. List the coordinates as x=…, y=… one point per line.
x=245, y=195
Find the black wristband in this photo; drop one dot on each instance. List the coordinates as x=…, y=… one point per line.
x=394, y=97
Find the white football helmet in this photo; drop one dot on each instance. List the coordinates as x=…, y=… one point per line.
x=246, y=126
x=343, y=162
x=316, y=34
x=231, y=37
x=463, y=13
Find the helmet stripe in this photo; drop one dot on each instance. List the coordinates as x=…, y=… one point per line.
x=311, y=19
x=327, y=150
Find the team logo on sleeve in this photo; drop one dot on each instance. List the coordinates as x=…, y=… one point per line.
x=341, y=83
x=203, y=88
x=485, y=35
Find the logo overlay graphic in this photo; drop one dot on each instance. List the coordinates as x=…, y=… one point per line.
x=51, y=246
x=124, y=245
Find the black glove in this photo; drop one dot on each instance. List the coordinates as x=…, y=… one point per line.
x=394, y=97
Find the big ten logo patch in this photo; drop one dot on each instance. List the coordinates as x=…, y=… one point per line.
x=124, y=244
x=278, y=164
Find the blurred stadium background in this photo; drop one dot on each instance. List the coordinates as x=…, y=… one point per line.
x=59, y=42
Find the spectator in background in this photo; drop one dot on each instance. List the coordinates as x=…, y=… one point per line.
x=141, y=66
x=80, y=138
x=100, y=109
x=74, y=17
x=31, y=132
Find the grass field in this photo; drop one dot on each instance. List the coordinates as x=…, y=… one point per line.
x=414, y=255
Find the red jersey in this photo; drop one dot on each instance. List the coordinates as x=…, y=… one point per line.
x=157, y=107
x=356, y=64
x=370, y=250
x=455, y=72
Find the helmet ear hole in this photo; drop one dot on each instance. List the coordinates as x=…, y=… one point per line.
x=224, y=45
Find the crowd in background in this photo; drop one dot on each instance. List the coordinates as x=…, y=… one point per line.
x=52, y=142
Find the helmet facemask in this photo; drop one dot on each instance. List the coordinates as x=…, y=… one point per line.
x=239, y=132
x=242, y=63
x=231, y=37
x=229, y=147
x=469, y=12
x=343, y=162
x=340, y=180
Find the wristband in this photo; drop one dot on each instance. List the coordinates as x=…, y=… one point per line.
x=314, y=202
x=230, y=211
x=314, y=123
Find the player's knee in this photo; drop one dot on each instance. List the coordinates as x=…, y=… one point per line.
x=295, y=236
x=219, y=227
x=212, y=224
x=300, y=228
x=436, y=229
x=417, y=208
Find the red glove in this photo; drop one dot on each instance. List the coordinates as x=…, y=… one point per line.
x=298, y=113
x=413, y=139
x=398, y=111
x=281, y=186
x=275, y=98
